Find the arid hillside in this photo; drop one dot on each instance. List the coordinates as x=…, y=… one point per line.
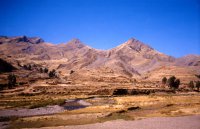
x=128, y=61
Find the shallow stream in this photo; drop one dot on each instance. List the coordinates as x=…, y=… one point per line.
x=75, y=104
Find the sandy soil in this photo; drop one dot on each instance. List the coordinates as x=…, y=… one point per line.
x=186, y=122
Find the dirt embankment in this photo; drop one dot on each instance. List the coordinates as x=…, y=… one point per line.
x=187, y=122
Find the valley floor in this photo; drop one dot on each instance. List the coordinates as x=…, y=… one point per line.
x=178, y=111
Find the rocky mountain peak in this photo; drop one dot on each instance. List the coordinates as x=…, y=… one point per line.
x=35, y=40
x=75, y=43
x=17, y=39
x=76, y=40
x=136, y=44
x=132, y=40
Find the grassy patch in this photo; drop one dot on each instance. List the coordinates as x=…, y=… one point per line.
x=13, y=104
x=29, y=101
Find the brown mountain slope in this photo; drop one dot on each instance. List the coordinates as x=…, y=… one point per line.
x=189, y=60
x=139, y=56
x=132, y=59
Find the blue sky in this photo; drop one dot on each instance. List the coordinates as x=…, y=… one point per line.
x=169, y=26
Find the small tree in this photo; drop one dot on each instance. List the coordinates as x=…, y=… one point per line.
x=41, y=70
x=46, y=70
x=11, y=80
x=164, y=80
x=198, y=85
x=176, y=83
x=173, y=82
x=29, y=67
x=191, y=85
x=52, y=73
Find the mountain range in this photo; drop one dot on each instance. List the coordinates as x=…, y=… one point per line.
x=130, y=60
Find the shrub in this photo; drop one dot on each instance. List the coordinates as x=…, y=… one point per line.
x=52, y=73
x=191, y=85
x=27, y=67
x=171, y=81
x=177, y=83
x=164, y=80
x=120, y=92
x=72, y=71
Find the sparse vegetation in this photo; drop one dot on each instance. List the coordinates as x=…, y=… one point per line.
x=30, y=102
